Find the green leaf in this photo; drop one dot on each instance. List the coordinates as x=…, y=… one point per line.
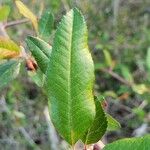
x=25, y=11
x=142, y=143
x=140, y=112
x=140, y=88
x=98, y=127
x=126, y=73
x=8, y=48
x=148, y=59
x=113, y=124
x=40, y=50
x=4, y=12
x=99, y=66
x=46, y=24
x=110, y=94
x=37, y=77
x=108, y=58
x=70, y=78
x=8, y=71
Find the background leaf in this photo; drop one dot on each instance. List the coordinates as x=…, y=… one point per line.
x=142, y=143
x=126, y=73
x=8, y=71
x=46, y=24
x=98, y=127
x=4, y=12
x=140, y=88
x=148, y=59
x=113, y=124
x=37, y=77
x=108, y=59
x=8, y=48
x=25, y=11
x=70, y=77
x=40, y=50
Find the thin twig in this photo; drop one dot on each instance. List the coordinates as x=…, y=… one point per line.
x=16, y=22
x=116, y=76
x=3, y=31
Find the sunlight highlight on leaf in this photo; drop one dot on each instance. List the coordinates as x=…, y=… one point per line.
x=8, y=48
x=25, y=11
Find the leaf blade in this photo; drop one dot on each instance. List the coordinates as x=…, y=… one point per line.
x=37, y=77
x=141, y=143
x=113, y=124
x=40, y=50
x=46, y=24
x=8, y=48
x=71, y=101
x=99, y=125
x=25, y=11
x=8, y=71
x=4, y=12
x=108, y=58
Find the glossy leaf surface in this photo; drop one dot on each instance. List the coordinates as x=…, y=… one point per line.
x=70, y=78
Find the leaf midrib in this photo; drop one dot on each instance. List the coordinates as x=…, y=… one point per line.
x=69, y=83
